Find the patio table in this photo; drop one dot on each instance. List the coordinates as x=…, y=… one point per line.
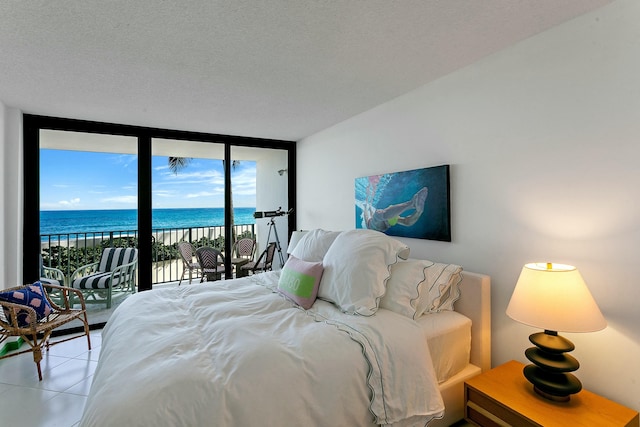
x=237, y=263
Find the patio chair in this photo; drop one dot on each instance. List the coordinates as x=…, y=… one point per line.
x=245, y=248
x=50, y=275
x=114, y=273
x=30, y=317
x=185, y=249
x=211, y=263
x=263, y=263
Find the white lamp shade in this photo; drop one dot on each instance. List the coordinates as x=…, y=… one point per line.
x=554, y=297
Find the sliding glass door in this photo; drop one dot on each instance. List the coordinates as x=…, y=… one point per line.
x=188, y=205
x=88, y=202
x=261, y=184
x=122, y=175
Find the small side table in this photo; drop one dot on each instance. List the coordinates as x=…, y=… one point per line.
x=237, y=263
x=503, y=397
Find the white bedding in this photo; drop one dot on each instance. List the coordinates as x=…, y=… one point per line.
x=448, y=334
x=234, y=353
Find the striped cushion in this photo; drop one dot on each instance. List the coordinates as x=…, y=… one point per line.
x=51, y=281
x=112, y=258
x=95, y=281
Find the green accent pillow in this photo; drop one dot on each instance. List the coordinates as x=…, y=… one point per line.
x=299, y=281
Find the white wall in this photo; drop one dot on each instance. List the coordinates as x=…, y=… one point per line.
x=11, y=197
x=543, y=140
x=3, y=190
x=271, y=194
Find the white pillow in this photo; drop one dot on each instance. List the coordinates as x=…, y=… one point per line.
x=314, y=245
x=356, y=269
x=293, y=241
x=417, y=287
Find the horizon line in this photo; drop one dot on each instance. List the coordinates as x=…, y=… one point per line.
x=135, y=209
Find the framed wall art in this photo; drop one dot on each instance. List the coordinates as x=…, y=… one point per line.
x=414, y=203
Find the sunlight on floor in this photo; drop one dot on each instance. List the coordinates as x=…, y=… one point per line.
x=57, y=400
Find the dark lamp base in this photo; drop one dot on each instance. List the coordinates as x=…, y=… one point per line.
x=549, y=373
x=551, y=396
x=552, y=386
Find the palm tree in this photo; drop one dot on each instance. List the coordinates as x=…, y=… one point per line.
x=176, y=164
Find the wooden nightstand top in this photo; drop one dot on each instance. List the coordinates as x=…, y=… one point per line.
x=505, y=390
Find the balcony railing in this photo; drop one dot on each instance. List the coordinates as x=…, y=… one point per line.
x=69, y=251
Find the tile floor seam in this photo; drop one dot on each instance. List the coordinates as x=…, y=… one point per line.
x=18, y=381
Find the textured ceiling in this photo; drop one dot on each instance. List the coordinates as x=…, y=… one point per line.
x=274, y=69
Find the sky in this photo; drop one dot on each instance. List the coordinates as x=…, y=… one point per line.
x=79, y=180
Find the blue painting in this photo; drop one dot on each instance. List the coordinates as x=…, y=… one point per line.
x=412, y=203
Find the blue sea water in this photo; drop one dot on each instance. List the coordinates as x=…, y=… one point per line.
x=87, y=221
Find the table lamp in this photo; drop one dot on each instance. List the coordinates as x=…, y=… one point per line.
x=555, y=298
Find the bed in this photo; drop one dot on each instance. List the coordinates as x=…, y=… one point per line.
x=324, y=341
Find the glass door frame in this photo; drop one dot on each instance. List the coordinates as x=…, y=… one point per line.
x=32, y=124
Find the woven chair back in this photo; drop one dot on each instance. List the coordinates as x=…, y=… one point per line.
x=245, y=248
x=209, y=258
x=185, y=249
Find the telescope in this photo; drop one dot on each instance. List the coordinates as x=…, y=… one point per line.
x=269, y=214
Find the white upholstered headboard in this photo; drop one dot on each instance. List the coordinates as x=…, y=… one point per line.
x=475, y=303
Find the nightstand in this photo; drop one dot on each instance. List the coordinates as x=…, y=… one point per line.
x=503, y=397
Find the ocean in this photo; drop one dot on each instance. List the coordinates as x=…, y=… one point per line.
x=88, y=221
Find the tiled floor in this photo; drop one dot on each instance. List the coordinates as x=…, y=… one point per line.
x=57, y=400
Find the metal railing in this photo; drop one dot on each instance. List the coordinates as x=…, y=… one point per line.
x=69, y=251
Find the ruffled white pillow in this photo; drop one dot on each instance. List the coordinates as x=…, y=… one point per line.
x=417, y=287
x=356, y=269
x=314, y=245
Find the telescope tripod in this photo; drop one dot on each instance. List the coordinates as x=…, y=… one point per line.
x=272, y=226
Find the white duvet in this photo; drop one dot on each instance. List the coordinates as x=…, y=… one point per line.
x=235, y=353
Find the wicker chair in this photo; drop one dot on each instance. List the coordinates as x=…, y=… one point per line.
x=263, y=263
x=185, y=249
x=245, y=248
x=37, y=332
x=211, y=262
x=244, y=251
